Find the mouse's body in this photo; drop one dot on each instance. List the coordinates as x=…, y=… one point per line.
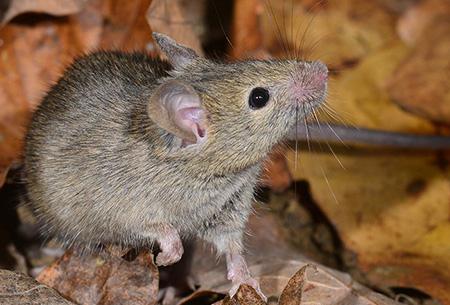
x=96, y=169
x=126, y=149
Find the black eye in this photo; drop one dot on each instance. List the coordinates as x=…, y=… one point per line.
x=258, y=98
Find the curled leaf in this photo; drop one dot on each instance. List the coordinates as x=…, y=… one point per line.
x=104, y=279
x=20, y=289
x=52, y=7
x=179, y=20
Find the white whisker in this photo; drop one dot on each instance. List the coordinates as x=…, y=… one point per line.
x=328, y=144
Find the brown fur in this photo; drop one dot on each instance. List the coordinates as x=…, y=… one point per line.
x=100, y=171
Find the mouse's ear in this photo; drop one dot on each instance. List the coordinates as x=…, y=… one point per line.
x=176, y=107
x=178, y=55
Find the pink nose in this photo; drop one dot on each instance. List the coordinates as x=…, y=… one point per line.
x=319, y=74
x=309, y=81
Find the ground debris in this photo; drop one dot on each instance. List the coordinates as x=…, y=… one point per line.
x=20, y=289
x=104, y=279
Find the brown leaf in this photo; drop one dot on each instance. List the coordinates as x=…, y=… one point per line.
x=272, y=262
x=34, y=54
x=361, y=98
x=339, y=33
x=3, y=174
x=247, y=32
x=277, y=175
x=292, y=293
x=417, y=18
x=272, y=273
x=390, y=210
x=104, y=279
x=29, y=59
x=179, y=19
x=276, y=267
x=201, y=297
x=20, y=289
x=296, y=282
x=398, y=6
x=125, y=25
x=421, y=83
x=246, y=295
x=317, y=285
x=52, y=7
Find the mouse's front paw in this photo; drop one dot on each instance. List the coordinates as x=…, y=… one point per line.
x=168, y=258
x=171, y=252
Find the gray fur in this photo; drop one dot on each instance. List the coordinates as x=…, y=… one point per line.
x=179, y=56
x=100, y=171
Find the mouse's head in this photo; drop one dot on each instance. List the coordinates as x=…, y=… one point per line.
x=233, y=113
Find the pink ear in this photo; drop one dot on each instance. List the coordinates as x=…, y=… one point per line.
x=177, y=108
x=192, y=119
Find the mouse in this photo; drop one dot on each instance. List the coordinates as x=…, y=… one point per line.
x=132, y=150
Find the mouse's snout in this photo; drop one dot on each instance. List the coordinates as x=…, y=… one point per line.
x=309, y=82
x=319, y=75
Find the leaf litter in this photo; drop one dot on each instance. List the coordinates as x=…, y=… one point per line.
x=374, y=49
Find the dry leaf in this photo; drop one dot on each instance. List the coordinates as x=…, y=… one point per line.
x=421, y=83
x=32, y=56
x=247, y=32
x=398, y=6
x=336, y=32
x=104, y=279
x=3, y=174
x=20, y=289
x=125, y=25
x=52, y=7
x=246, y=295
x=380, y=208
x=316, y=285
x=418, y=17
x=391, y=210
x=272, y=262
x=359, y=98
x=29, y=58
x=179, y=19
x=299, y=282
x=276, y=175
x=271, y=272
x=201, y=297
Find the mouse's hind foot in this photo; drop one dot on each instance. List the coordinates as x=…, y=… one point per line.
x=239, y=274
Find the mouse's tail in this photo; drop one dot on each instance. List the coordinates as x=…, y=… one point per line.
x=336, y=133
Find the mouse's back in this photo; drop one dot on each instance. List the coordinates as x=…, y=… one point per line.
x=99, y=86
x=91, y=125
x=99, y=102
